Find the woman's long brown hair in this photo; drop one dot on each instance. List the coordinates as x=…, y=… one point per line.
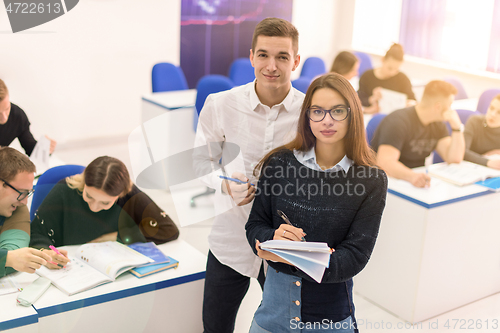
x=356, y=147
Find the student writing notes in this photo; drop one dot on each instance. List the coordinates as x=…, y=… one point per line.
x=326, y=182
x=406, y=137
x=102, y=204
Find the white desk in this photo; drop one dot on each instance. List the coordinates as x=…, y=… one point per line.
x=14, y=317
x=166, y=131
x=169, y=301
x=465, y=104
x=437, y=250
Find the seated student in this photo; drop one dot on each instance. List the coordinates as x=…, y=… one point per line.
x=16, y=176
x=406, y=137
x=329, y=153
x=101, y=204
x=15, y=124
x=386, y=76
x=346, y=64
x=482, y=136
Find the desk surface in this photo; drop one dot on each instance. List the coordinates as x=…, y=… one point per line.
x=438, y=194
x=191, y=268
x=171, y=100
x=465, y=104
x=12, y=314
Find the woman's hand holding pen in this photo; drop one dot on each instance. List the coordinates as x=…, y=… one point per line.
x=288, y=232
x=242, y=194
x=58, y=260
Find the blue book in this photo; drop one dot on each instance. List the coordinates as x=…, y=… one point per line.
x=155, y=268
x=493, y=184
x=152, y=251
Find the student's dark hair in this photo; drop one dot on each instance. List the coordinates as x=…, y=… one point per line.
x=105, y=173
x=344, y=62
x=3, y=90
x=13, y=162
x=355, y=143
x=438, y=88
x=396, y=52
x=276, y=27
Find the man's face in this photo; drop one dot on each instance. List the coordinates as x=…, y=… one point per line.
x=23, y=181
x=443, y=105
x=4, y=110
x=273, y=61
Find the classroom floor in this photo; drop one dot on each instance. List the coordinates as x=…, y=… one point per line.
x=370, y=317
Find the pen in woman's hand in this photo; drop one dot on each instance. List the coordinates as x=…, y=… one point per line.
x=285, y=218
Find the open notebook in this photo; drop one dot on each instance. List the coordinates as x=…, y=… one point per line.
x=94, y=264
x=310, y=257
x=464, y=173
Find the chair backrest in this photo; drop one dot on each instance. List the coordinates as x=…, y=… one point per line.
x=313, y=66
x=365, y=62
x=485, y=99
x=47, y=181
x=461, y=93
x=167, y=77
x=209, y=84
x=301, y=84
x=241, y=71
x=372, y=126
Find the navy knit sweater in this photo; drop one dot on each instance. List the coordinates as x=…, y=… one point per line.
x=341, y=209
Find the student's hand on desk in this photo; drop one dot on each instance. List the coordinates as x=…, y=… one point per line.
x=266, y=255
x=26, y=259
x=420, y=180
x=58, y=261
x=53, y=144
x=106, y=237
x=288, y=232
x=495, y=164
x=376, y=95
x=242, y=194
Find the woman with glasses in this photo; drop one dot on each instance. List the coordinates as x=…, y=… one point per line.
x=386, y=76
x=101, y=204
x=326, y=183
x=482, y=137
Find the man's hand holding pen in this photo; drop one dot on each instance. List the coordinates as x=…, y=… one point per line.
x=241, y=191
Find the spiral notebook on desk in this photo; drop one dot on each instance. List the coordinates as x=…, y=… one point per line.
x=94, y=264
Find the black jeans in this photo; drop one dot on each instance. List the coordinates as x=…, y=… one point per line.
x=224, y=291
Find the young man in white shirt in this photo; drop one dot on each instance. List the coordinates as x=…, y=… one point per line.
x=255, y=118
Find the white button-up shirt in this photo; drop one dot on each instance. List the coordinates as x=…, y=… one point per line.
x=308, y=158
x=228, y=120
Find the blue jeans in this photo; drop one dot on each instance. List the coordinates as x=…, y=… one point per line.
x=280, y=310
x=224, y=290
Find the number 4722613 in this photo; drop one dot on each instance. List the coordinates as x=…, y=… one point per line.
x=33, y=8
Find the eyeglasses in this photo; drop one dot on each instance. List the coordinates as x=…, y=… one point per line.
x=22, y=194
x=338, y=113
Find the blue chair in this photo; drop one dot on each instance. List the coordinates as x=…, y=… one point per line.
x=313, y=67
x=365, y=62
x=167, y=77
x=372, y=125
x=241, y=71
x=209, y=84
x=464, y=116
x=301, y=84
x=461, y=94
x=485, y=100
x=47, y=181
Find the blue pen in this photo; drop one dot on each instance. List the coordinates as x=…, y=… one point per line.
x=235, y=180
